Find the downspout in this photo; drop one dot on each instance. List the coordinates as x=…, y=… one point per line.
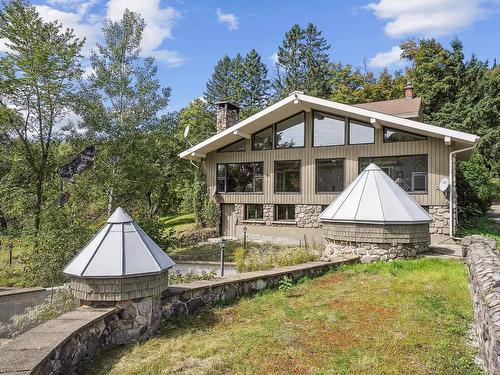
x=450, y=166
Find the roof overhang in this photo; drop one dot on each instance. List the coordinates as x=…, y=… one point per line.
x=297, y=102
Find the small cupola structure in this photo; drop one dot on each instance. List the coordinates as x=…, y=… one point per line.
x=120, y=263
x=375, y=219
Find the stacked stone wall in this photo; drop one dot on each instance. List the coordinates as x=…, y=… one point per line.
x=483, y=262
x=440, y=219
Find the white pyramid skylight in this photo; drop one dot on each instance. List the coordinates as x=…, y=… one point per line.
x=373, y=197
x=120, y=248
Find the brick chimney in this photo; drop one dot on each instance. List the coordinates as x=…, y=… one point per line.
x=228, y=114
x=409, y=90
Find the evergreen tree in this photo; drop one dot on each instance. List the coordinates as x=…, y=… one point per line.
x=316, y=63
x=256, y=84
x=220, y=85
x=290, y=65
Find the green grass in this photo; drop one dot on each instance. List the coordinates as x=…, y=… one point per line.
x=403, y=317
x=481, y=225
x=179, y=222
x=11, y=275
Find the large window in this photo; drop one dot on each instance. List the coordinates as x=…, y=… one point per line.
x=234, y=147
x=409, y=172
x=287, y=176
x=329, y=175
x=284, y=212
x=288, y=133
x=328, y=130
x=393, y=135
x=239, y=177
x=254, y=212
x=360, y=133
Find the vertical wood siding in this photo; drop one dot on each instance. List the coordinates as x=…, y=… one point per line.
x=435, y=149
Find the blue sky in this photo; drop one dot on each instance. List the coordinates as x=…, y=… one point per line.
x=188, y=37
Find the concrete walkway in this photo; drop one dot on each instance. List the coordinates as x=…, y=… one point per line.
x=443, y=246
x=494, y=212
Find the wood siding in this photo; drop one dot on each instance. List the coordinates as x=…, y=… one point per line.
x=435, y=149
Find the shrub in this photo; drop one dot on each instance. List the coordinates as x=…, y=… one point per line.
x=179, y=278
x=475, y=188
x=285, y=284
x=247, y=262
x=239, y=257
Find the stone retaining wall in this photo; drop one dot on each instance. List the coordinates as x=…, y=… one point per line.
x=59, y=346
x=483, y=262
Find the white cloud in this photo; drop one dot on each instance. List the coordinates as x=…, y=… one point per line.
x=427, y=17
x=274, y=57
x=230, y=19
x=384, y=59
x=159, y=22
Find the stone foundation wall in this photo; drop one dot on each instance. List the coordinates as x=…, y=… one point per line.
x=374, y=242
x=118, y=289
x=483, y=262
x=440, y=219
x=306, y=216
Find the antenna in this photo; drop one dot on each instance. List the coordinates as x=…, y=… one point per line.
x=186, y=133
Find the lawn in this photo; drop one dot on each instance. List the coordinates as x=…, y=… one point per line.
x=179, y=223
x=407, y=317
x=481, y=225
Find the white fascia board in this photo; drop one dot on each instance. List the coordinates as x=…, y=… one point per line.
x=303, y=100
x=185, y=154
x=394, y=120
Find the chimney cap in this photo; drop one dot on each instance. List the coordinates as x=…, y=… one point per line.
x=228, y=103
x=409, y=85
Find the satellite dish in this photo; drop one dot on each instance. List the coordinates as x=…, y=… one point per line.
x=444, y=184
x=186, y=132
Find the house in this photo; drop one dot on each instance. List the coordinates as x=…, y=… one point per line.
x=276, y=171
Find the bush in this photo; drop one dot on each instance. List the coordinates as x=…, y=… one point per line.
x=179, y=278
x=247, y=262
x=475, y=188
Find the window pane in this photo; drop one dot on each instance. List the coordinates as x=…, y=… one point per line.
x=409, y=172
x=329, y=175
x=290, y=133
x=360, y=133
x=328, y=130
x=287, y=176
x=285, y=212
x=254, y=211
x=263, y=140
x=239, y=177
x=392, y=135
x=236, y=146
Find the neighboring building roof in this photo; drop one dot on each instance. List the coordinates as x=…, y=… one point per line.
x=373, y=197
x=406, y=108
x=298, y=101
x=119, y=249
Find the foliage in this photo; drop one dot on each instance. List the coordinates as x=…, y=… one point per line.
x=179, y=278
x=37, y=89
x=264, y=260
x=481, y=225
x=475, y=188
x=286, y=284
x=240, y=255
x=347, y=322
x=61, y=302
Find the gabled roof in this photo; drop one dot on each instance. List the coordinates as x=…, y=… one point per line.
x=374, y=198
x=119, y=249
x=297, y=102
x=406, y=108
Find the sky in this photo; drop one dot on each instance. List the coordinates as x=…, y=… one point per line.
x=188, y=37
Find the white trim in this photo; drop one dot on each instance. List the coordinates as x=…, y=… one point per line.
x=311, y=101
x=242, y=134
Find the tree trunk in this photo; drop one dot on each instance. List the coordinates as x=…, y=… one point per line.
x=38, y=208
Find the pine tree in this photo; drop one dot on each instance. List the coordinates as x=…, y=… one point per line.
x=256, y=84
x=316, y=63
x=220, y=85
x=290, y=65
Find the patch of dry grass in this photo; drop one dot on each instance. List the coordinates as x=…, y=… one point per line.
x=405, y=317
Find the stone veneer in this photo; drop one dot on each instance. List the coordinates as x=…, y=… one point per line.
x=118, y=289
x=483, y=262
x=373, y=242
x=61, y=345
x=306, y=216
x=440, y=219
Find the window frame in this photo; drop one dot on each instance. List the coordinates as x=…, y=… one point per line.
x=419, y=192
x=360, y=123
x=316, y=190
x=276, y=177
x=338, y=117
x=220, y=150
x=225, y=178
x=253, y=204
x=425, y=138
x=276, y=207
x=273, y=127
